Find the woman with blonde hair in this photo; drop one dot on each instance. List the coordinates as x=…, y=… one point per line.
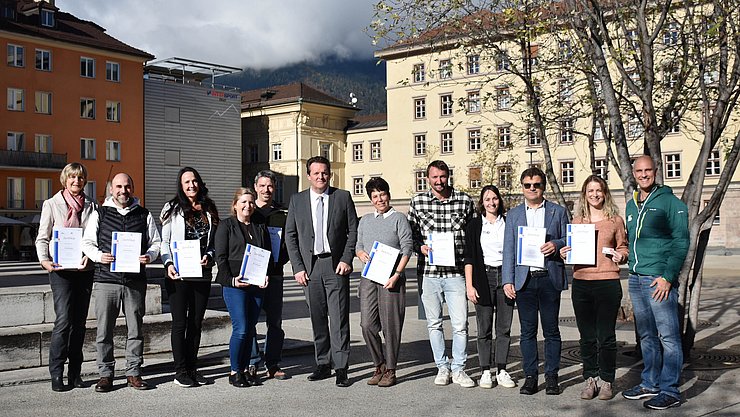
x=596, y=291
x=71, y=287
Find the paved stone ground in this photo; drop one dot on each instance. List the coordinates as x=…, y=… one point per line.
x=710, y=384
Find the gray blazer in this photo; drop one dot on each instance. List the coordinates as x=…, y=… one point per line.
x=53, y=213
x=556, y=221
x=341, y=229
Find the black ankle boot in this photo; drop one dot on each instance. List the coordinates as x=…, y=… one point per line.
x=57, y=384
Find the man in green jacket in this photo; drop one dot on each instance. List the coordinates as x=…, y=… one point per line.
x=657, y=228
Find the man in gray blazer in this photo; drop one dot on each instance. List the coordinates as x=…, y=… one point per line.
x=320, y=234
x=537, y=289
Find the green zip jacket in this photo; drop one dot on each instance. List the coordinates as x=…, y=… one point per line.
x=658, y=233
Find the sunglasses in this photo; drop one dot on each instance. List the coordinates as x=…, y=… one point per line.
x=528, y=185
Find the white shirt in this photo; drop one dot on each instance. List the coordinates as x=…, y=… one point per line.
x=536, y=218
x=386, y=214
x=314, y=203
x=492, y=241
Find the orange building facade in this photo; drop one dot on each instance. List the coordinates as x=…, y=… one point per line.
x=72, y=94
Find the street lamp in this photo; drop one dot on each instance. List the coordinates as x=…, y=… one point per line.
x=531, y=152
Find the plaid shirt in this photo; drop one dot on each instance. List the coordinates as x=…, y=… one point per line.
x=429, y=214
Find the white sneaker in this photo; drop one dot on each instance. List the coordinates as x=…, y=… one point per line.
x=504, y=379
x=485, y=380
x=462, y=379
x=443, y=376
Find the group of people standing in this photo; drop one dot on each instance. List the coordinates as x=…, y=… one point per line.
x=321, y=235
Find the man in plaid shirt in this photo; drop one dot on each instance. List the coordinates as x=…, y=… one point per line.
x=443, y=210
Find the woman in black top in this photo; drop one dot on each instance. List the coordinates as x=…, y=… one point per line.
x=243, y=300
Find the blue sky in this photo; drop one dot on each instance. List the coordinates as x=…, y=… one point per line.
x=243, y=33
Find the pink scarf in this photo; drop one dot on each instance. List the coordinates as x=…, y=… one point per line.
x=75, y=204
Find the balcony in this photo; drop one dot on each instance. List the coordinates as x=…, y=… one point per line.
x=32, y=159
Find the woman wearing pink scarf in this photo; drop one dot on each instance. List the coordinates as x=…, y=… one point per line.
x=71, y=288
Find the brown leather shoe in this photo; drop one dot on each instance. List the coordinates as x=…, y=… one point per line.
x=136, y=382
x=105, y=384
x=379, y=371
x=277, y=373
x=389, y=378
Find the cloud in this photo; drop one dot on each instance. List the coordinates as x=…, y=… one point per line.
x=243, y=33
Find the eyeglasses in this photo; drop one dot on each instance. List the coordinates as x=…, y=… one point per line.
x=528, y=185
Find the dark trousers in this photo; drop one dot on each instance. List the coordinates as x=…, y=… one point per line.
x=328, y=296
x=188, y=301
x=503, y=307
x=71, y=292
x=272, y=304
x=596, y=304
x=539, y=297
x=244, y=306
x=382, y=309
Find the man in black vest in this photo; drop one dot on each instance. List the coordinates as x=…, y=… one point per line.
x=121, y=212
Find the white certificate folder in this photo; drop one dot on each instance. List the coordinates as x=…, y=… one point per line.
x=582, y=241
x=126, y=249
x=186, y=257
x=528, y=244
x=66, y=247
x=383, y=259
x=254, y=265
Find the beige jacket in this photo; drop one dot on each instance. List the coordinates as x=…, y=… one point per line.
x=53, y=213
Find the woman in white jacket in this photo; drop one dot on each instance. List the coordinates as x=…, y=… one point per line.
x=70, y=287
x=190, y=215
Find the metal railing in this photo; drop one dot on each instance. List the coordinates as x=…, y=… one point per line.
x=32, y=159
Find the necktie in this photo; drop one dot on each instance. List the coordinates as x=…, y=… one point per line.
x=319, y=232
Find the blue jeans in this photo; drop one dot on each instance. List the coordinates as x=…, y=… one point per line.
x=660, y=337
x=244, y=306
x=449, y=290
x=539, y=296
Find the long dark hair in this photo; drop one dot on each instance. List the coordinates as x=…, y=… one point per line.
x=181, y=202
x=492, y=188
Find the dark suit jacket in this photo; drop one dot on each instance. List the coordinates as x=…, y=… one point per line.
x=230, y=244
x=341, y=229
x=474, y=256
x=556, y=221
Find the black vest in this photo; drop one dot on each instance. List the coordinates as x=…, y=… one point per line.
x=109, y=221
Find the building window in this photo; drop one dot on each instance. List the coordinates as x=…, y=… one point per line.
x=90, y=190
x=16, y=193
x=502, y=62
x=565, y=51
x=446, y=142
x=87, y=148
x=602, y=167
x=445, y=102
x=504, y=136
x=716, y=220
x=87, y=108
x=357, y=152
x=533, y=136
x=474, y=140
x=87, y=67
x=672, y=163
x=15, y=56
x=504, y=176
x=567, y=173
x=47, y=18
x=113, y=111
x=280, y=189
x=675, y=122
x=419, y=73
x=43, y=102
x=42, y=191
x=15, y=99
x=670, y=35
x=474, y=177
x=671, y=77
x=16, y=141
x=634, y=128
x=43, y=60
x=375, y=151
x=112, y=150
x=598, y=132
x=713, y=164
x=565, y=89
x=445, y=69
x=473, y=64
x=42, y=144
x=503, y=98
x=566, y=131
x=420, y=181
x=420, y=108
x=357, y=185
x=112, y=71
x=253, y=153
x=451, y=179
x=325, y=150
x=420, y=145
x=277, y=151
x=474, y=102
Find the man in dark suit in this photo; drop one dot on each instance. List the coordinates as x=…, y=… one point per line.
x=537, y=289
x=320, y=234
